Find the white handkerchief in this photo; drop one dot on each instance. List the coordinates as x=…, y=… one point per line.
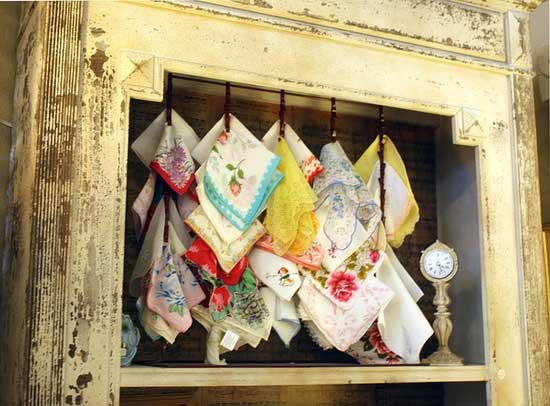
x=309, y=164
x=145, y=146
x=279, y=274
x=285, y=321
x=402, y=324
x=345, y=327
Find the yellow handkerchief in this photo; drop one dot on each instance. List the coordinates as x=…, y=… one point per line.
x=401, y=210
x=290, y=219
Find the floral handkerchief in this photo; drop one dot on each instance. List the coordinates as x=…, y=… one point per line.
x=345, y=327
x=277, y=273
x=146, y=145
x=165, y=294
x=344, y=285
x=173, y=161
x=240, y=176
x=372, y=350
x=290, y=219
x=309, y=164
x=311, y=259
x=346, y=211
x=228, y=254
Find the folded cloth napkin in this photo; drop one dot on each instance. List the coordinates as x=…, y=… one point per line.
x=141, y=205
x=277, y=273
x=347, y=213
x=371, y=349
x=153, y=324
x=401, y=210
x=166, y=149
x=402, y=324
x=228, y=255
x=309, y=164
x=342, y=327
x=311, y=259
x=240, y=175
x=343, y=286
x=290, y=219
x=285, y=321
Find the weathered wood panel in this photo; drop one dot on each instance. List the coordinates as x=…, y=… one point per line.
x=444, y=25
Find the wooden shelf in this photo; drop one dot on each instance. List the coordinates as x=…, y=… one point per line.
x=148, y=376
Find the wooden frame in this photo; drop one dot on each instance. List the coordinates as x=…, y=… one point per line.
x=114, y=57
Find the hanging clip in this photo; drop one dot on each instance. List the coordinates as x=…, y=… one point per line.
x=282, y=109
x=169, y=100
x=333, y=119
x=227, y=106
x=381, y=131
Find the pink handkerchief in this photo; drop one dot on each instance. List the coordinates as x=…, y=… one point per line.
x=345, y=327
x=311, y=259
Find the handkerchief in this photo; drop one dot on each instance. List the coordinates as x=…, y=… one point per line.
x=402, y=324
x=311, y=259
x=285, y=321
x=141, y=205
x=371, y=349
x=240, y=175
x=277, y=273
x=345, y=327
x=401, y=210
x=346, y=211
x=228, y=254
x=344, y=285
x=290, y=219
x=146, y=145
x=153, y=324
x=316, y=335
x=309, y=164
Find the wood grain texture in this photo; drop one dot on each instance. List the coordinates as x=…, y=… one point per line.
x=535, y=309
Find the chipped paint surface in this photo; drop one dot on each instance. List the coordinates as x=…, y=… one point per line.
x=445, y=25
x=76, y=189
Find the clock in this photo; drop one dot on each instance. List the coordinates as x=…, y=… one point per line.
x=438, y=263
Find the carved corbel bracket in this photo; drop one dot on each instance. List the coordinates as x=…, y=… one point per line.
x=142, y=75
x=468, y=127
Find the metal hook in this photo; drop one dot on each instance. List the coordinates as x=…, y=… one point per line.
x=282, y=110
x=169, y=100
x=381, y=131
x=227, y=106
x=333, y=119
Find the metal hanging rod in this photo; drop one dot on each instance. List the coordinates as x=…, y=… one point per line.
x=261, y=89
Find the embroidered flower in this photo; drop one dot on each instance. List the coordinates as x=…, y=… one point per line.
x=220, y=298
x=176, y=164
x=374, y=256
x=234, y=187
x=222, y=139
x=342, y=285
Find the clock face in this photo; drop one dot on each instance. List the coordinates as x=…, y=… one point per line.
x=438, y=264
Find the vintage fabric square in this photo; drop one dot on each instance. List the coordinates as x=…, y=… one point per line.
x=346, y=210
x=311, y=259
x=228, y=255
x=290, y=220
x=240, y=176
x=345, y=327
x=277, y=273
x=308, y=163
